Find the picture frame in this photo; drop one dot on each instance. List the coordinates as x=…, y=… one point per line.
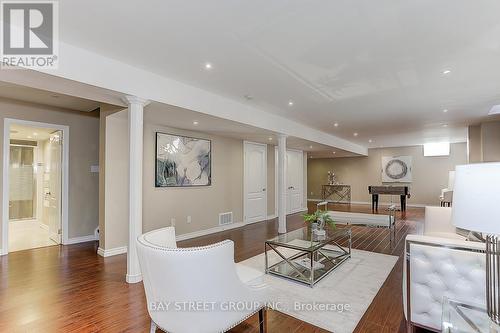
x=182, y=161
x=397, y=169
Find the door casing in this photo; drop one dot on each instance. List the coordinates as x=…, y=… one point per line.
x=4, y=249
x=246, y=146
x=301, y=182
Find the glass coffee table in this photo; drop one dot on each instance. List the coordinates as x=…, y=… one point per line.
x=462, y=317
x=306, y=257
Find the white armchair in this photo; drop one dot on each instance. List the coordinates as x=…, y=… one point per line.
x=440, y=264
x=446, y=197
x=437, y=223
x=195, y=289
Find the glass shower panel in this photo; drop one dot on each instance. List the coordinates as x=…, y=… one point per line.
x=22, y=183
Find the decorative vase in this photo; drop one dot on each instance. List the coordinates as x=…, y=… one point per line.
x=320, y=230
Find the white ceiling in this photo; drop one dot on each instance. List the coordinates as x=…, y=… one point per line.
x=38, y=87
x=39, y=96
x=375, y=67
x=21, y=132
x=157, y=113
x=170, y=116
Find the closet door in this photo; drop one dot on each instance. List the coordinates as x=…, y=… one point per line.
x=255, y=182
x=294, y=181
x=294, y=166
x=54, y=176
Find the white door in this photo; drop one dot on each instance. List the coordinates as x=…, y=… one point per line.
x=255, y=182
x=53, y=181
x=294, y=179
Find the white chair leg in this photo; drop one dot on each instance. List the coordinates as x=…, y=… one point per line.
x=153, y=327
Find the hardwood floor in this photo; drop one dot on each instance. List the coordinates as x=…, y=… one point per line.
x=71, y=289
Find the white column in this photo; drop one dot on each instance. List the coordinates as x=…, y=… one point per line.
x=281, y=184
x=135, y=131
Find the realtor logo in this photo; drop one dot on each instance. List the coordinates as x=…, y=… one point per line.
x=29, y=34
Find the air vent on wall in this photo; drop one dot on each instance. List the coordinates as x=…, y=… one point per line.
x=225, y=218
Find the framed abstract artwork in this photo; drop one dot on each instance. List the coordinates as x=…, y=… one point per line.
x=182, y=161
x=396, y=169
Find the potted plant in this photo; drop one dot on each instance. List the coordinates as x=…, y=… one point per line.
x=318, y=220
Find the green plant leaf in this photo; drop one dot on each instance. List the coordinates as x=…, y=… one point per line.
x=319, y=215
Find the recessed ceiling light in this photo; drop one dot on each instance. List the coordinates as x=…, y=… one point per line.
x=370, y=141
x=445, y=110
x=310, y=147
x=270, y=139
x=445, y=125
x=290, y=103
x=195, y=123
x=29, y=137
x=208, y=66
x=495, y=109
x=336, y=124
x=355, y=133
x=334, y=152
x=35, y=134
x=446, y=71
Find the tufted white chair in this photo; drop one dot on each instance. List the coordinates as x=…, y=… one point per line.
x=195, y=290
x=440, y=264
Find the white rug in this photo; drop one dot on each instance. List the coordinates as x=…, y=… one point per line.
x=340, y=299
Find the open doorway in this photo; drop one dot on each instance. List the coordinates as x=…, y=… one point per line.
x=34, y=156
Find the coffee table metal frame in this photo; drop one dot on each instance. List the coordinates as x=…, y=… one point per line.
x=313, y=253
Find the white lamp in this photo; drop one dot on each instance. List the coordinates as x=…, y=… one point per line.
x=476, y=207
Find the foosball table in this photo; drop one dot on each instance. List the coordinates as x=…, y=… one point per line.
x=376, y=191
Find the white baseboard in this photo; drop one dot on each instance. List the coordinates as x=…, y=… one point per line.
x=111, y=252
x=209, y=231
x=81, y=239
x=389, y=203
x=220, y=228
x=133, y=278
x=369, y=203
x=300, y=210
x=54, y=236
x=123, y=249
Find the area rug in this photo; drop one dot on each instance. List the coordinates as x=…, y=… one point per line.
x=338, y=301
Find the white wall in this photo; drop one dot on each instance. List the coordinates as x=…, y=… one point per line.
x=116, y=166
x=83, y=152
x=160, y=205
x=430, y=174
x=484, y=142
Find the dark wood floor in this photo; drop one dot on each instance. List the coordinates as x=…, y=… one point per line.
x=71, y=289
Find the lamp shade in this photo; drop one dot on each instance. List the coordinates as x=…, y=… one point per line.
x=476, y=197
